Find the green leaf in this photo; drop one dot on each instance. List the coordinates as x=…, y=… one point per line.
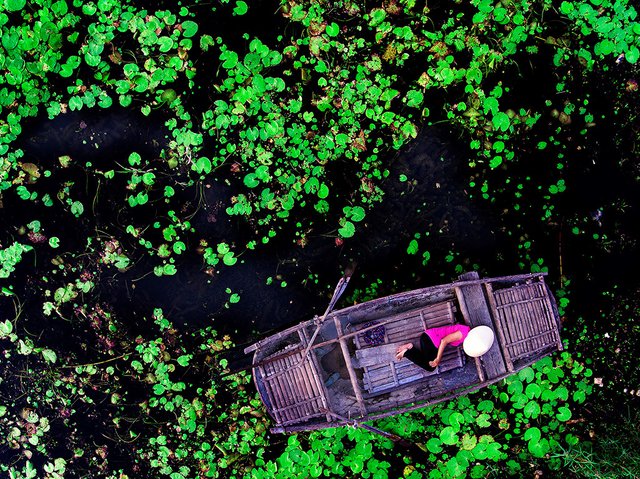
x=526, y=374
x=135, y=159
x=413, y=247
x=434, y=445
x=6, y=328
x=77, y=208
x=203, y=165
x=501, y=121
x=54, y=242
x=532, y=434
x=148, y=178
x=333, y=29
x=357, y=213
x=347, y=230
x=250, y=180
x=495, y=162
x=539, y=448
x=448, y=436
x=49, y=356
x=229, y=259
x=184, y=360
x=323, y=191
x=158, y=389
x=564, y=414
x=229, y=59
x=179, y=247
x=532, y=409
x=165, y=44
x=633, y=54
x=14, y=5
x=414, y=98
x=241, y=8
x=189, y=28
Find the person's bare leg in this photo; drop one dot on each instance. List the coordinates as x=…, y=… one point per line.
x=403, y=349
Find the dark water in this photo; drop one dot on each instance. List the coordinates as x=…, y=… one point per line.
x=434, y=201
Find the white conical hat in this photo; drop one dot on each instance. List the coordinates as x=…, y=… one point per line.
x=478, y=341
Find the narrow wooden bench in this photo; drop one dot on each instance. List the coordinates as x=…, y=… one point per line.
x=381, y=372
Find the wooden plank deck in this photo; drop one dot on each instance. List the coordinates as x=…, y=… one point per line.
x=381, y=372
x=525, y=314
x=294, y=389
x=476, y=311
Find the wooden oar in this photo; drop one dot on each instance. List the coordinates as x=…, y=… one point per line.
x=340, y=288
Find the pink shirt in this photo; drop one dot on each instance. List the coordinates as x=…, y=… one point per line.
x=437, y=334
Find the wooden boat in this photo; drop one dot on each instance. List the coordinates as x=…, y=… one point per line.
x=341, y=368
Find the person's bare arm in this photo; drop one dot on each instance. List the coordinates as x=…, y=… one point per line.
x=450, y=338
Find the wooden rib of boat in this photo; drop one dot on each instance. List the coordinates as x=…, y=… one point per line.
x=341, y=368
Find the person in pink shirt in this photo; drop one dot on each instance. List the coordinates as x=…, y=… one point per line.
x=434, y=341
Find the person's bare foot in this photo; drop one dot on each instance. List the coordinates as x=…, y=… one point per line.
x=403, y=349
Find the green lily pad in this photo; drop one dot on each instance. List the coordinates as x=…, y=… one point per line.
x=347, y=230
x=14, y=5
x=241, y=8
x=189, y=28
x=333, y=29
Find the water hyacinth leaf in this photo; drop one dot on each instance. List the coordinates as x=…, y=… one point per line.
x=483, y=420
x=148, y=178
x=526, y=374
x=6, y=327
x=455, y=420
x=409, y=130
x=539, y=448
x=203, y=165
